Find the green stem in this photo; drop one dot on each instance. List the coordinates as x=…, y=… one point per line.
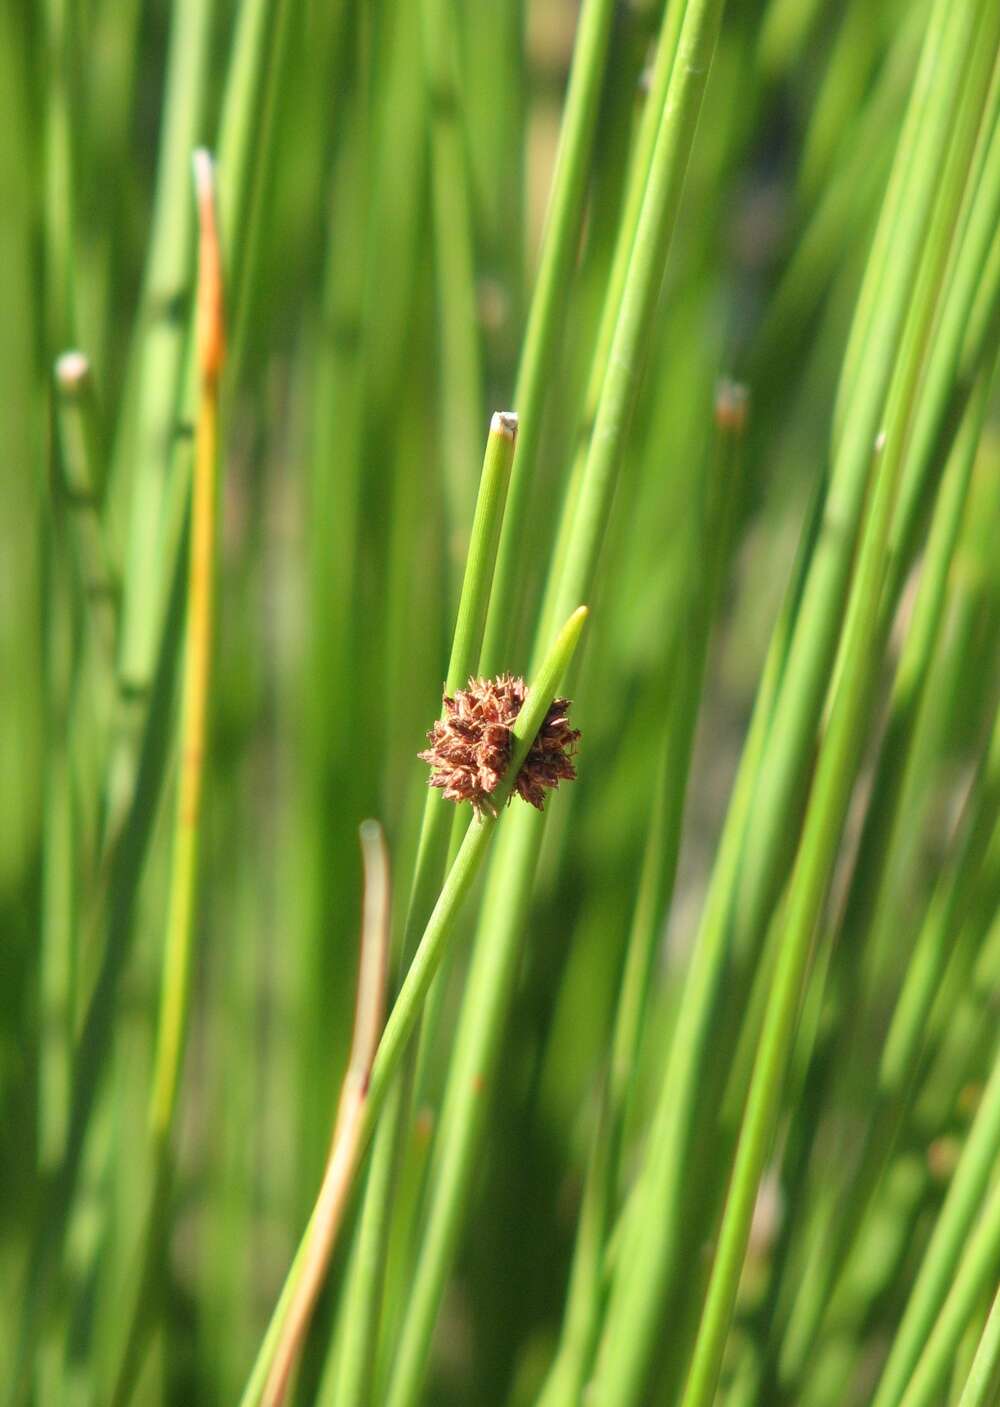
x=883, y=248
x=163, y=331
x=735, y=918
x=62, y=127
x=548, y=308
x=824, y=821
x=175, y=992
x=256, y=88
x=944, y=920
x=914, y=710
x=587, y=1280
x=868, y=899
x=461, y=373
x=437, y=935
x=58, y=938
x=76, y=420
x=981, y=1385
x=977, y=1271
x=504, y=911
x=653, y=1220
x=361, y=1300
x=625, y=238
x=965, y=336
x=937, y=1270
x=780, y=787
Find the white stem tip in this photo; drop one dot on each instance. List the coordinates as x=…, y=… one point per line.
x=72, y=370
x=504, y=423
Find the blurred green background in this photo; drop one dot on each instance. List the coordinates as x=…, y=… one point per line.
x=382, y=199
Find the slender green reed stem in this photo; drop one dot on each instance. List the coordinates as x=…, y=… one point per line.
x=76, y=420
x=651, y=1225
x=944, y=919
x=894, y=202
x=547, y=313
x=824, y=820
x=162, y=335
x=461, y=387
x=114, y=911
x=887, y=802
x=886, y=805
x=487, y=525
x=58, y=936
x=626, y=356
x=195, y=684
x=62, y=127
x=980, y=1388
x=781, y=785
x=810, y=878
x=362, y=1297
x=937, y=1273
x=166, y=391
x=965, y=337
x=785, y=28
x=235, y=149
x=587, y=1280
x=848, y=71
x=843, y=203
x=136, y=753
x=804, y=678
x=405, y=1013
x=137, y=763
x=253, y=95
x=77, y=518
x=113, y=42
x=977, y=1271
x=504, y=909
x=722, y=492
x=747, y=916
x=867, y=907
x=929, y=607
x=638, y=177
x=192, y=761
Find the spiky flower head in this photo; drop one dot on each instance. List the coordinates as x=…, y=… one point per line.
x=471, y=745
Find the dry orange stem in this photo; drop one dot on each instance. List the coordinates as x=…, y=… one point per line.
x=345, y=1146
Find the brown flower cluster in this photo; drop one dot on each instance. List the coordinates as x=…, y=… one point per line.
x=471, y=745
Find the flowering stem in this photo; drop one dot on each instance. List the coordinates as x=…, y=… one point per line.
x=361, y=1301
x=437, y=935
x=508, y=891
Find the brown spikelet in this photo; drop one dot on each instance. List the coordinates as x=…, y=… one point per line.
x=471, y=745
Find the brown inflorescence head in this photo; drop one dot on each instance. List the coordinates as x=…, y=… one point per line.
x=470, y=746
